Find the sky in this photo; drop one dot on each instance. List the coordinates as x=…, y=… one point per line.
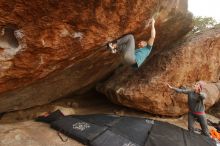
x=209, y=8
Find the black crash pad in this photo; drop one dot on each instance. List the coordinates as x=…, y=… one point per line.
x=111, y=130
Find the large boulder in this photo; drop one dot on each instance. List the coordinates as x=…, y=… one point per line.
x=215, y=110
x=56, y=48
x=196, y=57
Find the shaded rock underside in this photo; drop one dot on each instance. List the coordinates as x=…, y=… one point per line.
x=60, y=44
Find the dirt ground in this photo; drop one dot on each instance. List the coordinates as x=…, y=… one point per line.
x=91, y=103
x=19, y=128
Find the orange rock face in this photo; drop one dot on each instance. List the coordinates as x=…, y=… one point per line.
x=195, y=57
x=60, y=43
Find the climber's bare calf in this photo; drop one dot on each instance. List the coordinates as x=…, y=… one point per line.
x=126, y=45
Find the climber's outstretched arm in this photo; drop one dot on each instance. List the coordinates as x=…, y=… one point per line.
x=153, y=33
x=185, y=91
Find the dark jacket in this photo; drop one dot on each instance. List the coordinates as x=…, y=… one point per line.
x=195, y=100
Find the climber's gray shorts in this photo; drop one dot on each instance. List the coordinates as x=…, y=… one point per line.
x=127, y=46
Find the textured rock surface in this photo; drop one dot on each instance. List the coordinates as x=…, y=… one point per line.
x=59, y=43
x=194, y=58
x=215, y=110
x=32, y=134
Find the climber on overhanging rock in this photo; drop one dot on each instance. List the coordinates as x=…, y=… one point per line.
x=126, y=45
x=196, y=106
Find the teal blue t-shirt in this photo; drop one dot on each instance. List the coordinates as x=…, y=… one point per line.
x=141, y=54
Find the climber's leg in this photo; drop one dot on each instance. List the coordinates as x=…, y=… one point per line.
x=126, y=45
